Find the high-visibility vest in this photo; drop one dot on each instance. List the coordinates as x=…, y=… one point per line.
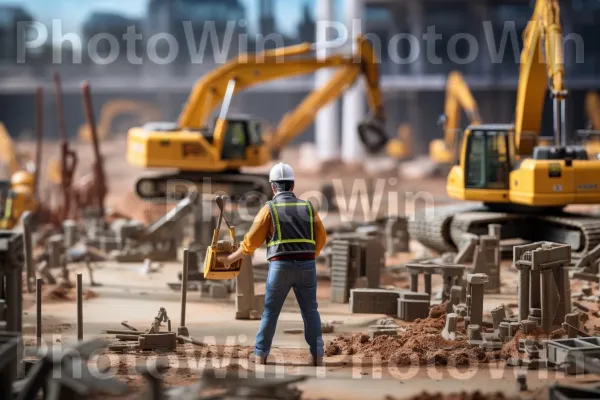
x=293, y=226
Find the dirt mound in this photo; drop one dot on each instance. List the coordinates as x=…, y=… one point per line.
x=66, y=293
x=458, y=396
x=421, y=344
x=511, y=349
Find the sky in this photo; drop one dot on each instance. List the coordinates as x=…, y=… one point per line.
x=74, y=12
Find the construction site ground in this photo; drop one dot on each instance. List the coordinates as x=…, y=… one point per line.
x=130, y=293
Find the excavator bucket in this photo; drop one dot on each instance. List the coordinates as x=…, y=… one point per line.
x=372, y=134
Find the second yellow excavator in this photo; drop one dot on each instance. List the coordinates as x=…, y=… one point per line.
x=138, y=111
x=523, y=186
x=235, y=142
x=458, y=96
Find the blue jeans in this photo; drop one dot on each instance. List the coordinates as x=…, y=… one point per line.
x=283, y=276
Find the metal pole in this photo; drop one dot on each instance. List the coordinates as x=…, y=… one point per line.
x=62, y=127
x=28, y=248
x=563, y=120
x=68, y=158
x=38, y=312
x=98, y=167
x=184, y=285
x=39, y=125
x=557, y=122
x=79, y=307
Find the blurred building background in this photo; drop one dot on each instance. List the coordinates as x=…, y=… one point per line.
x=413, y=90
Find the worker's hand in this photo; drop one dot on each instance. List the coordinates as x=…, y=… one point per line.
x=224, y=259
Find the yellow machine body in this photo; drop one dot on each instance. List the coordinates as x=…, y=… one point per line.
x=400, y=147
x=235, y=142
x=505, y=164
x=489, y=171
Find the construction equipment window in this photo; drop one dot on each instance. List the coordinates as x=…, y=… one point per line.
x=234, y=146
x=475, y=168
x=487, y=161
x=498, y=160
x=254, y=132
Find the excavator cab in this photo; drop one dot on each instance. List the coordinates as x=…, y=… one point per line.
x=242, y=133
x=488, y=158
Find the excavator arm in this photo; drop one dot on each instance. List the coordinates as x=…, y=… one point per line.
x=249, y=70
x=542, y=65
x=303, y=116
x=458, y=95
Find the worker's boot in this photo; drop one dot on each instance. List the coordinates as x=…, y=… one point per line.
x=317, y=361
x=258, y=360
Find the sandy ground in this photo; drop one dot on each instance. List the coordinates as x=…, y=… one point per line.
x=128, y=294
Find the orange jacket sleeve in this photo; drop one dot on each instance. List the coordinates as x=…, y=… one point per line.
x=257, y=234
x=320, y=234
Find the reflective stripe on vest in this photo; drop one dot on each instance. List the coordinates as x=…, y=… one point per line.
x=278, y=224
x=293, y=226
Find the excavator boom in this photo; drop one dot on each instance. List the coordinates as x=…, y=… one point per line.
x=458, y=96
x=237, y=142
x=250, y=70
x=542, y=64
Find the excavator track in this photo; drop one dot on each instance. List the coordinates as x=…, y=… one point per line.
x=434, y=233
x=445, y=232
x=237, y=185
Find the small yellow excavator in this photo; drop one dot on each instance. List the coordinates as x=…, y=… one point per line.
x=523, y=186
x=235, y=142
x=401, y=147
x=20, y=193
x=458, y=95
x=138, y=112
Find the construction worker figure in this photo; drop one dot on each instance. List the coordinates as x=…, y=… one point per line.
x=294, y=235
x=20, y=198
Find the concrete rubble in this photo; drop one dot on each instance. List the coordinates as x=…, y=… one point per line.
x=248, y=304
x=354, y=256
x=153, y=338
x=543, y=286
x=374, y=301
x=396, y=236
x=58, y=369
x=452, y=275
x=475, y=288
x=412, y=305
x=486, y=258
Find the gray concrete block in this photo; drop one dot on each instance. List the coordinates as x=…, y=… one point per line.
x=374, y=301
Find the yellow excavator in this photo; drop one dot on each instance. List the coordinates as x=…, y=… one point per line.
x=523, y=186
x=591, y=135
x=236, y=142
x=401, y=147
x=16, y=192
x=139, y=112
x=458, y=96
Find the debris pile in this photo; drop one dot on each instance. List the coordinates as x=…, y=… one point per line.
x=420, y=344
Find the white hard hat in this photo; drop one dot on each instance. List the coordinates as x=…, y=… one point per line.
x=281, y=172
